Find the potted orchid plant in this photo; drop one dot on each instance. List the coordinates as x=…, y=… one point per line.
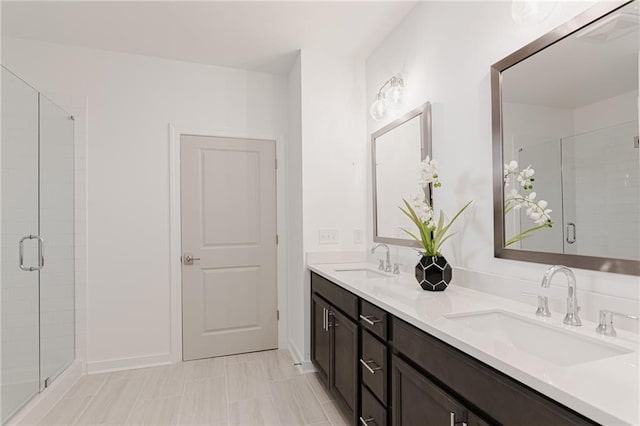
x=433, y=272
x=537, y=211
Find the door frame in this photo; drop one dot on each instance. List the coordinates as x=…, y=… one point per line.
x=175, y=234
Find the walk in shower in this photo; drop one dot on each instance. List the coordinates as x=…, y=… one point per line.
x=37, y=278
x=590, y=181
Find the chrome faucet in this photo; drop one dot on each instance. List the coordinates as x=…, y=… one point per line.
x=387, y=262
x=572, y=317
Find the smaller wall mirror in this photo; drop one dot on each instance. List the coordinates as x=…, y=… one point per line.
x=396, y=152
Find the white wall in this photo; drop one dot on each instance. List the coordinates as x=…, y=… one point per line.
x=334, y=142
x=130, y=102
x=333, y=163
x=444, y=51
x=295, y=249
x=608, y=112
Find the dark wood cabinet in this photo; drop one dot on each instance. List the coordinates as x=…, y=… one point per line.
x=320, y=337
x=418, y=401
x=386, y=371
x=345, y=357
x=372, y=412
x=373, y=365
x=498, y=396
x=334, y=341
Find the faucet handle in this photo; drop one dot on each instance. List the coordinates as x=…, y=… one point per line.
x=543, y=304
x=381, y=264
x=605, y=327
x=396, y=268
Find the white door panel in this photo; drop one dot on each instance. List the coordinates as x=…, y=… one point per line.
x=229, y=226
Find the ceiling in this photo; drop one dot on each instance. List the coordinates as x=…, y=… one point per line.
x=584, y=68
x=261, y=36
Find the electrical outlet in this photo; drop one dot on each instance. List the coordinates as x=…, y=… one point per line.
x=328, y=236
x=357, y=236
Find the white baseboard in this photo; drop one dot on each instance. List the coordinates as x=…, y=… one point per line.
x=40, y=405
x=305, y=366
x=119, y=364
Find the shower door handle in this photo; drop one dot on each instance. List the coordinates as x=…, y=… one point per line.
x=571, y=232
x=40, y=253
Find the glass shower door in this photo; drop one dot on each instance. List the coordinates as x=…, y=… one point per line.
x=19, y=285
x=57, y=292
x=601, y=170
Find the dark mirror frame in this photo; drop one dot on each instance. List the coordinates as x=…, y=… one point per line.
x=424, y=112
x=604, y=264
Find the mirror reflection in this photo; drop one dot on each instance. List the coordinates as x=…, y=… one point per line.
x=570, y=143
x=397, y=150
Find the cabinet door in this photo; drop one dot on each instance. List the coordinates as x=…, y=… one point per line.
x=418, y=401
x=320, y=337
x=345, y=361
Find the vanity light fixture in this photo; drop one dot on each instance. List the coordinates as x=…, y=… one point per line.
x=390, y=95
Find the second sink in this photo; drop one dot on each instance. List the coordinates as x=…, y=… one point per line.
x=553, y=344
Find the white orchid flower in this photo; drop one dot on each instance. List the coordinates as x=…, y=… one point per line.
x=429, y=173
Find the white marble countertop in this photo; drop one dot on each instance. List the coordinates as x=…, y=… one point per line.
x=606, y=390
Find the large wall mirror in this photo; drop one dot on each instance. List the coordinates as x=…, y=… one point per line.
x=396, y=152
x=565, y=144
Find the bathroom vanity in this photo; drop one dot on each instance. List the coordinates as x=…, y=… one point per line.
x=392, y=354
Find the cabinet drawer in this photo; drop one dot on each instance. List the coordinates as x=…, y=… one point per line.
x=498, y=396
x=372, y=413
x=373, y=318
x=340, y=298
x=373, y=366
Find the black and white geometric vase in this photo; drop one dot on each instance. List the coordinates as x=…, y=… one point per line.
x=433, y=273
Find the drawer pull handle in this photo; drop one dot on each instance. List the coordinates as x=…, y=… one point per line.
x=370, y=319
x=365, y=422
x=453, y=420
x=368, y=367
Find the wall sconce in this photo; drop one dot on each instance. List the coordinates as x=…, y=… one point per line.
x=390, y=95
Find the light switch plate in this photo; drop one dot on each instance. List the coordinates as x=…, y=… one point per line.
x=328, y=236
x=357, y=236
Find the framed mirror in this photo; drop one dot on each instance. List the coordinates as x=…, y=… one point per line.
x=566, y=155
x=396, y=152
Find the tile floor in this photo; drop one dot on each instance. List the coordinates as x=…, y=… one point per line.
x=260, y=388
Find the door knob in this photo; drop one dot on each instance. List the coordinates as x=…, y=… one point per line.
x=188, y=258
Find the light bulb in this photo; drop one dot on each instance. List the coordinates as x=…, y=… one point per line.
x=379, y=108
x=396, y=93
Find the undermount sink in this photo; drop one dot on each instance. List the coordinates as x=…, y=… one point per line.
x=361, y=273
x=555, y=345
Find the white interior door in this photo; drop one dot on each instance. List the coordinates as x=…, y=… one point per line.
x=228, y=210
